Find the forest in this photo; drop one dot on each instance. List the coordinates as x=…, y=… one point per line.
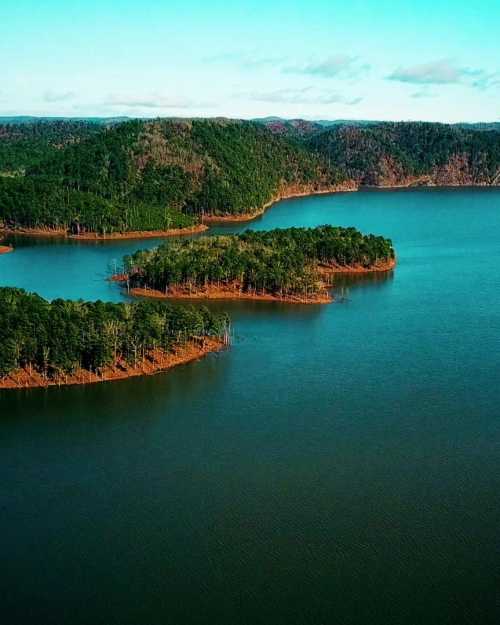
x=389, y=153
x=156, y=175
x=171, y=173
x=281, y=262
x=63, y=337
x=23, y=145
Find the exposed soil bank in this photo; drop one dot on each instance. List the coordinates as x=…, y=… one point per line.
x=230, y=292
x=285, y=194
x=379, y=267
x=140, y=234
x=233, y=291
x=156, y=362
x=5, y=249
x=345, y=187
x=94, y=236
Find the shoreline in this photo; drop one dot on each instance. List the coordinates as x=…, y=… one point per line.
x=379, y=267
x=215, y=293
x=157, y=362
x=114, y=236
x=211, y=292
x=347, y=187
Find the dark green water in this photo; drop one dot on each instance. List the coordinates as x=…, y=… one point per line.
x=340, y=465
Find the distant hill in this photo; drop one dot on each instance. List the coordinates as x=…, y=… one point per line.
x=301, y=127
x=408, y=153
x=481, y=126
x=26, y=143
x=166, y=173
x=30, y=119
x=147, y=175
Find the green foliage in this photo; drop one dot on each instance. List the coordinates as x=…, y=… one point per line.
x=65, y=336
x=161, y=174
x=281, y=262
x=156, y=175
x=24, y=145
x=370, y=154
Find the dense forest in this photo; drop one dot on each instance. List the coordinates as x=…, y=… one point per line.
x=164, y=174
x=282, y=262
x=157, y=175
x=64, y=337
x=23, y=145
x=394, y=153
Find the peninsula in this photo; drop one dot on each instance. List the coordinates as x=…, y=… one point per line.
x=65, y=342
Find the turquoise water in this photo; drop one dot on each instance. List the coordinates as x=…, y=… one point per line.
x=339, y=464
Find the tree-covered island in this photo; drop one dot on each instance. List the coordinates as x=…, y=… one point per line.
x=294, y=264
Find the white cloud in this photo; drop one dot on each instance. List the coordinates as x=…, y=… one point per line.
x=305, y=95
x=153, y=101
x=336, y=66
x=445, y=72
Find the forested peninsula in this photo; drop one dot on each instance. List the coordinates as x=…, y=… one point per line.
x=65, y=342
x=293, y=264
x=170, y=176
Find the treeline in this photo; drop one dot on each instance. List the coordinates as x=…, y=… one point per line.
x=157, y=175
x=282, y=262
x=64, y=337
x=391, y=152
x=42, y=202
x=162, y=174
x=23, y=145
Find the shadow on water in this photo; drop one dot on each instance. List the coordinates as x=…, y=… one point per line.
x=356, y=280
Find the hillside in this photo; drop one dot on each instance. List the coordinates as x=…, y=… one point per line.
x=159, y=174
x=163, y=175
x=25, y=143
x=411, y=153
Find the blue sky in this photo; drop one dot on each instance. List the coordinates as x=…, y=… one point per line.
x=374, y=59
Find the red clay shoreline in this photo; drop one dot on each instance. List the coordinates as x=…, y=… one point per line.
x=114, y=236
x=347, y=187
x=379, y=267
x=158, y=361
x=234, y=292
x=217, y=293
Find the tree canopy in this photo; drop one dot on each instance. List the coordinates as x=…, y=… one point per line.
x=282, y=262
x=66, y=336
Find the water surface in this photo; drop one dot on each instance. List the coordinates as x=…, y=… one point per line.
x=338, y=465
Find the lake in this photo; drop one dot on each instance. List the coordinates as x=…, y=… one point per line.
x=339, y=465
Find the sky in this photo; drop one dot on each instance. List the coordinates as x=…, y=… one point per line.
x=433, y=60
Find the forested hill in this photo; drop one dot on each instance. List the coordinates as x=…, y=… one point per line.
x=163, y=174
x=159, y=174
x=26, y=143
x=409, y=153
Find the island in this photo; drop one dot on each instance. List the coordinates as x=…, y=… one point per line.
x=294, y=265
x=64, y=342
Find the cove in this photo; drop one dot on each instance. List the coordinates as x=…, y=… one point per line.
x=338, y=464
